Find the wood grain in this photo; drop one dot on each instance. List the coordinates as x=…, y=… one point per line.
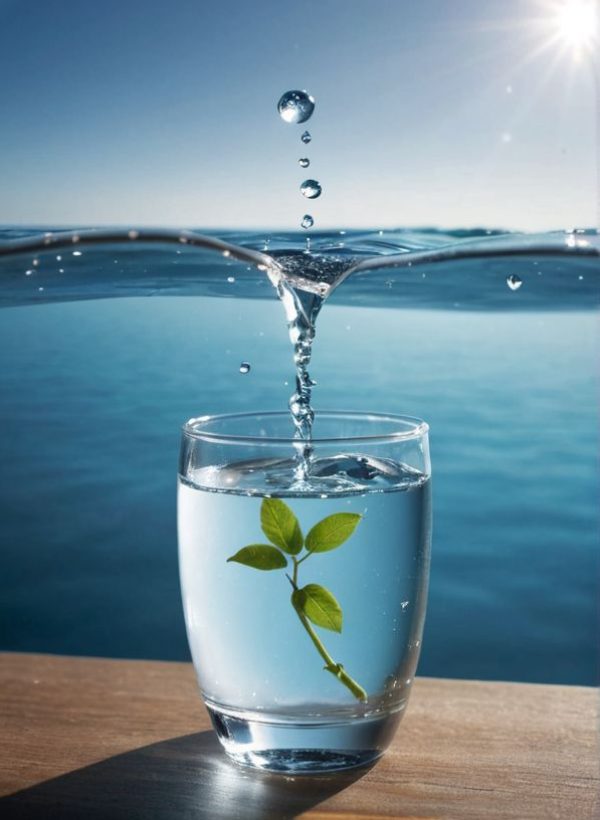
x=91, y=739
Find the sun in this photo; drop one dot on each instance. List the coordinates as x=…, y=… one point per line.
x=576, y=23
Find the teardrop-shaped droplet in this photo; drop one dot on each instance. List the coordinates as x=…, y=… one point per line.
x=296, y=106
x=245, y=367
x=306, y=137
x=307, y=221
x=304, y=162
x=310, y=188
x=514, y=282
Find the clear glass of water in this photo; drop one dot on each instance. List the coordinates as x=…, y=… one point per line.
x=304, y=574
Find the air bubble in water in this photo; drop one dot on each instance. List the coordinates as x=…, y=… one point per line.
x=296, y=106
x=306, y=137
x=514, y=282
x=310, y=188
x=245, y=367
x=307, y=221
x=304, y=162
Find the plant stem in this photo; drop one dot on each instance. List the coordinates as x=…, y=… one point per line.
x=336, y=669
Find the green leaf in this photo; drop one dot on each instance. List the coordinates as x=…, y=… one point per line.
x=260, y=556
x=319, y=606
x=281, y=526
x=332, y=531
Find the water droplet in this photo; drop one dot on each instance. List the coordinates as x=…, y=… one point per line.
x=61, y=270
x=226, y=253
x=306, y=137
x=514, y=282
x=404, y=604
x=59, y=258
x=28, y=272
x=307, y=221
x=296, y=106
x=231, y=279
x=133, y=234
x=244, y=368
x=580, y=278
x=389, y=283
x=35, y=262
x=310, y=188
x=40, y=289
x=304, y=162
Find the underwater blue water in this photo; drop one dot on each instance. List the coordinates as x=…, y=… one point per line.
x=94, y=393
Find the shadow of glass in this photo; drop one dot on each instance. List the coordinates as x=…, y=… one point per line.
x=185, y=777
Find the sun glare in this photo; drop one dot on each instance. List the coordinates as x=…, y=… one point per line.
x=576, y=23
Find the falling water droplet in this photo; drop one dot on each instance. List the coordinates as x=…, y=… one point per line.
x=307, y=221
x=231, y=279
x=404, y=605
x=304, y=162
x=245, y=367
x=306, y=137
x=310, y=188
x=514, y=282
x=296, y=106
x=28, y=272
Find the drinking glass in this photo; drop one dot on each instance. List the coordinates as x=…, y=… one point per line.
x=304, y=574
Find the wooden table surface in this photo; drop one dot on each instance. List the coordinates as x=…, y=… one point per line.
x=86, y=738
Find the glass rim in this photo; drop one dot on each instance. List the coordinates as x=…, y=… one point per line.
x=418, y=429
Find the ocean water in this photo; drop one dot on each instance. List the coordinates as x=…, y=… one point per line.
x=95, y=388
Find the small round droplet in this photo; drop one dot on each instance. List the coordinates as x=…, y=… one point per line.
x=77, y=253
x=404, y=605
x=231, y=279
x=514, y=282
x=28, y=272
x=296, y=106
x=310, y=188
x=306, y=137
x=307, y=221
x=133, y=234
x=304, y=162
x=245, y=367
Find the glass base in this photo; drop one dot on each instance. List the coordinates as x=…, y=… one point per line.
x=303, y=748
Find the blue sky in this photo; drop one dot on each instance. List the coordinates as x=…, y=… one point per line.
x=428, y=113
